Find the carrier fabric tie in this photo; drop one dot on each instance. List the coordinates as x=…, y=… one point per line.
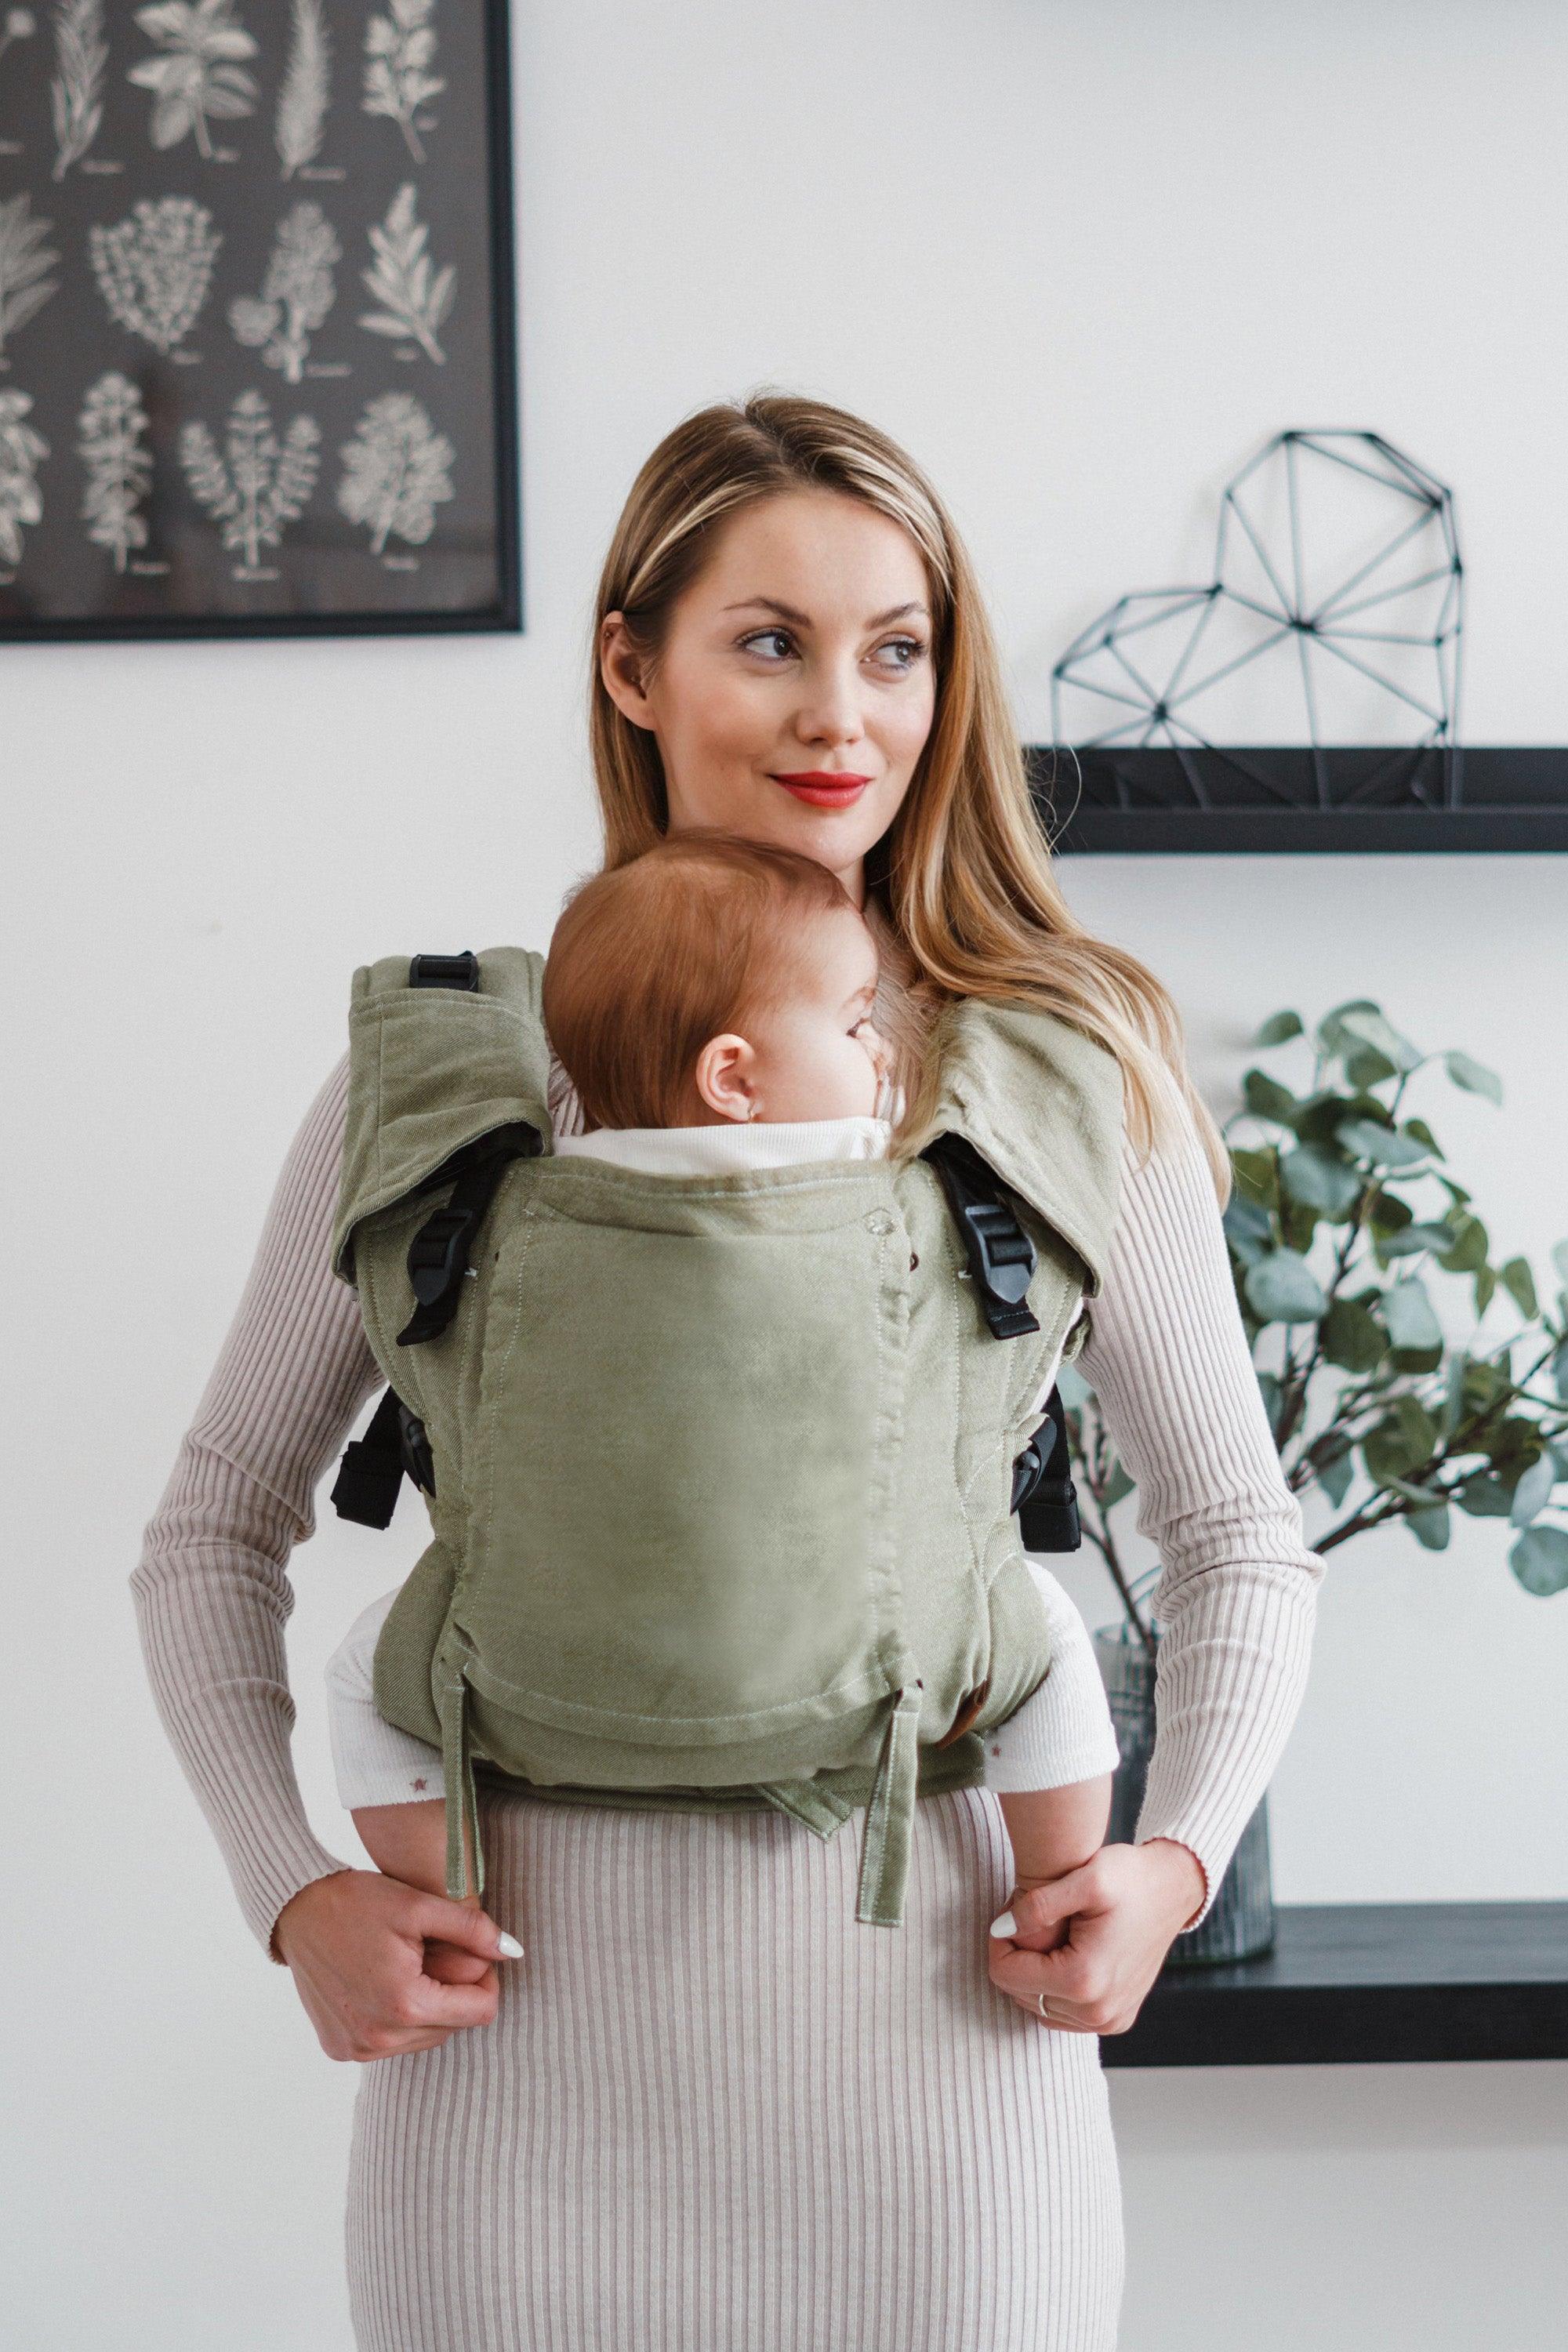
x=890, y=1817
x=890, y=1814
x=462, y=1798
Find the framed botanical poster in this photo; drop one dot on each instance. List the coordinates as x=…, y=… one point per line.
x=257, y=319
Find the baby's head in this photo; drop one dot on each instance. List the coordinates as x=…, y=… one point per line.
x=714, y=978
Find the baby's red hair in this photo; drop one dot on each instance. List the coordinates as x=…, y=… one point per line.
x=653, y=958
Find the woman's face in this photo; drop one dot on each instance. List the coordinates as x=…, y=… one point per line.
x=795, y=692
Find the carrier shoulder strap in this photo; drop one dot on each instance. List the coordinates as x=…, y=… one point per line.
x=1028, y=1110
x=448, y=1077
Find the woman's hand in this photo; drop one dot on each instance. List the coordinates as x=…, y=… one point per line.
x=1121, y=1912
x=356, y=1943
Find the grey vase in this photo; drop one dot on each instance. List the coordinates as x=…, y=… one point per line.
x=1240, y=1924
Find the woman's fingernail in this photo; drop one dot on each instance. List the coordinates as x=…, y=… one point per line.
x=1005, y=1925
x=507, y=1946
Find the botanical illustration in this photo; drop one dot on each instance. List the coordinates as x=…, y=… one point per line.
x=413, y=301
x=197, y=78
x=16, y=25
x=75, y=92
x=113, y=427
x=296, y=295
x=1344, y=1222
x=26, y=261
x=396, y=471
x=257, y=483
x=154, y=269
x=302, y=96
x=22, y=451
x=400, y=48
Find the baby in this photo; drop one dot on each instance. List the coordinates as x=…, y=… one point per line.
x=712, y=1003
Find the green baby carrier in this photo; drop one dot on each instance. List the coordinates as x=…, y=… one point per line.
x=721, y=1471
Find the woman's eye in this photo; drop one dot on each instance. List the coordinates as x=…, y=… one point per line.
x=910, y=648
x=761, y=636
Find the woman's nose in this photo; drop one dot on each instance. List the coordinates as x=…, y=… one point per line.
x=830, y=712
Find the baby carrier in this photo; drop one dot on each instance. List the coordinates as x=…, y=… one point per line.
x=721, y=1471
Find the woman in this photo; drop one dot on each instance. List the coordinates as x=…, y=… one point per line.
x=711, y=2111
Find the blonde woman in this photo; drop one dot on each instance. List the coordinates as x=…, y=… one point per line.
x=710, y=2112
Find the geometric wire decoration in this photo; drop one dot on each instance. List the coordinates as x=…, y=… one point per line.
x=1333, y=619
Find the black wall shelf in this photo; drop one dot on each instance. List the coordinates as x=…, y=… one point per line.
x=1369, y=1983
x=1269, y=799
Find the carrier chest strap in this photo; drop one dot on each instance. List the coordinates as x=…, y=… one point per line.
x=1001, y=1254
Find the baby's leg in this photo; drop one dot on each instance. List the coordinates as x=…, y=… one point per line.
x=1050, y=1763
x=391, y=1782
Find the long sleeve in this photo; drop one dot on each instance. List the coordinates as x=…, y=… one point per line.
x=212, y=1590
x=1168, y=1359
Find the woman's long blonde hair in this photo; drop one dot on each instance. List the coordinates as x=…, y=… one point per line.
x=965, y=870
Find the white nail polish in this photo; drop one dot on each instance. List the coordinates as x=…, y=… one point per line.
x=507, y=1946
x=1005, y=1925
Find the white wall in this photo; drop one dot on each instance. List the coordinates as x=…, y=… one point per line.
x=1081, y=258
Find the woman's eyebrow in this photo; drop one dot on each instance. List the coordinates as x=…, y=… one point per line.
x=802, y=621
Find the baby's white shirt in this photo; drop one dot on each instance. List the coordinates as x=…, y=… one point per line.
x=729, y=1146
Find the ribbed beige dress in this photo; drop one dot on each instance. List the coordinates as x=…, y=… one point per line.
x=714, y=2114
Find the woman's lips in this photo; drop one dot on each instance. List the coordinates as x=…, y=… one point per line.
x=825, y=787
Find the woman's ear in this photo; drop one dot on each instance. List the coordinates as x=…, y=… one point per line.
x=725, y=1077
x=620, y=668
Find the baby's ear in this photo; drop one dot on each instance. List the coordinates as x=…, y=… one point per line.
x=724, y=1076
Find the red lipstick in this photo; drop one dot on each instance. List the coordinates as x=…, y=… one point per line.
x=825, y=787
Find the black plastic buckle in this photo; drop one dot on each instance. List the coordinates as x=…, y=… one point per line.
x=1001, y=1256
x=1044, y=1496
x=414, y=1444
x=445, y=971
x=1005, y=1251
x=439, y=1251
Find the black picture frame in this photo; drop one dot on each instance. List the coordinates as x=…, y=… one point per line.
x=324, y=585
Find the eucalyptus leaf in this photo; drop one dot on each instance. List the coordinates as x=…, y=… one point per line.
x=1278, y=1029
x=1117, y=1485
x=1431, y=1527
x=1560, y=1371
x=1353, y=1337
x=1423, y=1134
x=1372, y=1030
x=1473, y=1076
x=1560, y=1260
x=1365, y=1069
x=1385, y=1147
x=1533, y=1491
x=1335, y=1476
x=1387, y=1214
x=1257, y=1176
x=1484, y=1497
x=1283, y=1288
x=1269, y=1390
x=1469, y=1250
x=1248, y=1228
x=1320, y=1178
x=1486, y=1287
x=1413, y=1238
x=1265, y=1098
x=1407, y=1312
x=1520, y=1284
x=1539, y=1560
x=1332, y=1035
